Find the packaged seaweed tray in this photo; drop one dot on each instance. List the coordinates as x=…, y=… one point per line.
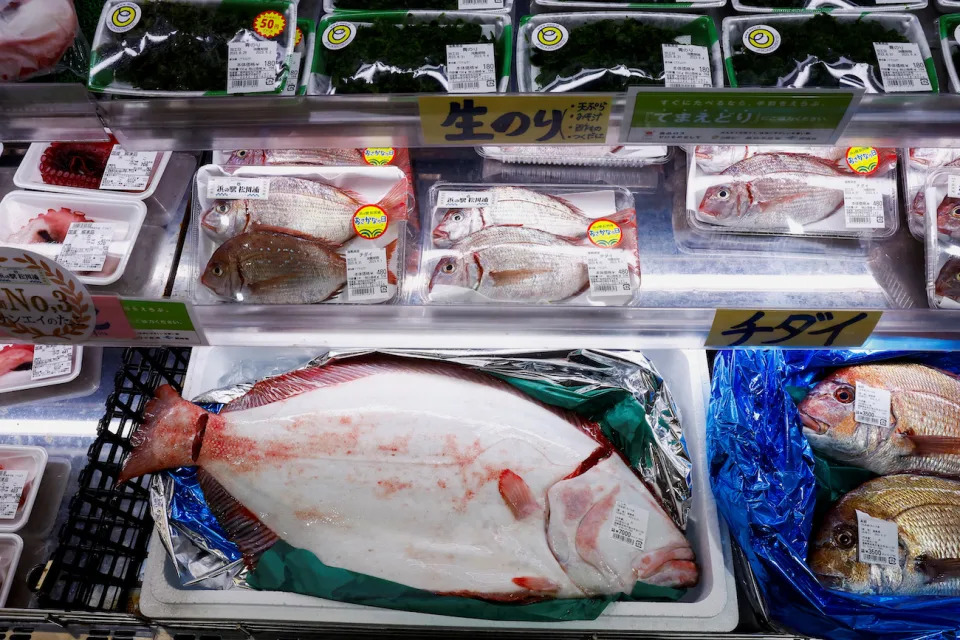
x=769, y=6
x=412, y=52
x=541, y=6
x=330, y=6
x=949, y=28
x=200, y=47
x=880, y=52
x=605, y=51
x=302, y=59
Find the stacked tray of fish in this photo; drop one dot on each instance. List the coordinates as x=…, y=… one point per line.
x=299, y=234
x=501, y=243
x=797, y=191
x=475, y=486
x=942, y=208
x=919, y=163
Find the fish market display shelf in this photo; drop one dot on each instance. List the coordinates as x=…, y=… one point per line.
x=31, y=112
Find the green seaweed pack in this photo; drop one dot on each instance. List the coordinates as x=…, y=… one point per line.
x=193, y=47
x=412, y=52
x=329, y=6
x=613, y=51
x=949, y=28
x=880, y=52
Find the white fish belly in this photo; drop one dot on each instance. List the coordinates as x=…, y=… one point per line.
x=396, y=475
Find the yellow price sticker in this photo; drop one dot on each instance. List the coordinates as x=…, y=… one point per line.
x=269, y=24
x=514, y=119
x=800, y=328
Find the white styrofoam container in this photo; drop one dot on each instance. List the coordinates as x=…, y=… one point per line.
x=33, y=460
x=938, y=248
x=710, y=606
x=82, y=381
x=10, y=548
x=21, y=380
x=18, y=207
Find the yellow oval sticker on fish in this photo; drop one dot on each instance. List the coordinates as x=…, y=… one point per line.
x=379, y=156
x=370, y=221
x=604, y=233
x=863, y=160
x=269, y=24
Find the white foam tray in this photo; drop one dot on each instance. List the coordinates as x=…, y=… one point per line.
x=710, y=606
x=18, y=207
x=33, y=460
x=10, y=548
x=21, y=380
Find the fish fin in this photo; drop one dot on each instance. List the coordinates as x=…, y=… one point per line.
x=243, y=528
x=933, y=445
x=395, y=202
x=937, y=569
x=536, y=583
x=390, y=250
x=517, y=494
x=171, y=435
x=253, y=226
x=513, y=276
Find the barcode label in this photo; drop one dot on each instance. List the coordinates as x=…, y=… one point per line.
x=51, y=361
x=367, y=275
x=902, y=67
x=479, y=4
x=862, y=205
x=471, y=68
x=251, y=66
x=953, y=186
x=686, y=65
x=294, y=77
x=877, y=540
x=609, y=273
x=871, y=405
x=629, y=524
x=11, y=490
x=85, y=246
x=128, y=170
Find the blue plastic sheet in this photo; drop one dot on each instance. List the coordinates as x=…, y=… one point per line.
x=761, y=470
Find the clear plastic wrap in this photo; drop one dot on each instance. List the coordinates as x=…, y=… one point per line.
x=193, y=47
x=299, y=234
x=302, y=59
x=949, y=28
x=412, y=52
x=604, y=51
x=879, y=52
x=23, y=468
x=528, y=244
x=634, y=155
x=942, y=220
x=365, y=157
x=806, y=191
x=329, y=6
x=772, y=6
x=918, y=163
x=540, y=6
x=10, y=548
x=41, y=39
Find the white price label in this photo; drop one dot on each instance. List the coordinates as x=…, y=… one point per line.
x=293, y=78
x=464, y=5
x=51, y=360
x=238, y=188
x=128, y=170
x=872, y=405
x=953, y=186
x=251, y=66
x=877, y=540
x=11, y=490
x=367, y=274
x=686, y=65
x=462, y=199
x=901, y=67
x=862, y=205
x=629, y=525
x=85, y=246
x=471, y=68
x=609, y=273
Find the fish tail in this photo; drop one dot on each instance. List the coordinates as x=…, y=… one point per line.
x=170, y=436
x=395, y=202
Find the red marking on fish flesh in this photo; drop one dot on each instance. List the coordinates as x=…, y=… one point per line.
x=589, y=530
x=668, y=566
x=534, y=583
x=576, y=501
x=442, y=484
x=391, y=486
x=400, y=444
x=518, y=496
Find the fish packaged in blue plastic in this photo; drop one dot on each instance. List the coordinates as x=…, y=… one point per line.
x=839, y=473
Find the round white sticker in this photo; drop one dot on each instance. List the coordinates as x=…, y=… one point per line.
x=550, y=36
x=42, y=301
x=761, y=38
x=123, y=17
x=338, y=35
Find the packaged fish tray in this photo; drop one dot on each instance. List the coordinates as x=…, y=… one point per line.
x=193, y=47
x=919, y=162
x=632, y=155
x=301, y=62
x=880, y=52
x=11, y=546
x=942, y=195
x=41, y=41
x=949, y=28
x=299, y=234
x=545, y=6
x=528, y=244
x=653, y=412
x=344, y=6
x=560, y=52
x=412, y=52
x=844, y=459
x=21, y=469
x=50, y=224
x=804, y=191
x=364, y=157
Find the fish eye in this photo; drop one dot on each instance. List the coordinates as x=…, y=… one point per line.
x=845, y=536
x=723, y=194
x=242, y=153
x=955, y=212
x=217, y=270
x=222, y=208
x=448, y=268
x=844, y=395
x=457, y=217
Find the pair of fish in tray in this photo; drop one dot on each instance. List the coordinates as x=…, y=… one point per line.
x=288, y=248
x=526, y=246
x=917, y=455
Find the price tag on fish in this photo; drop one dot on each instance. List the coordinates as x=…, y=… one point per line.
x=877, y=540
x=85, y=246
x=51, y=361
x=11, y=490
x=230, y=188
x=367, y=275
x=629, y=524
x=872, y=405
x=862, y=205
x=465, y=199
x=902, y=67
x=609, y=273
x=467, y=5
x=128, y=170
x=686, y=65
x=953, y=186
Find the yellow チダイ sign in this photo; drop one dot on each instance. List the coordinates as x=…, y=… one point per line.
x=515, y=119
x=755, y=328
